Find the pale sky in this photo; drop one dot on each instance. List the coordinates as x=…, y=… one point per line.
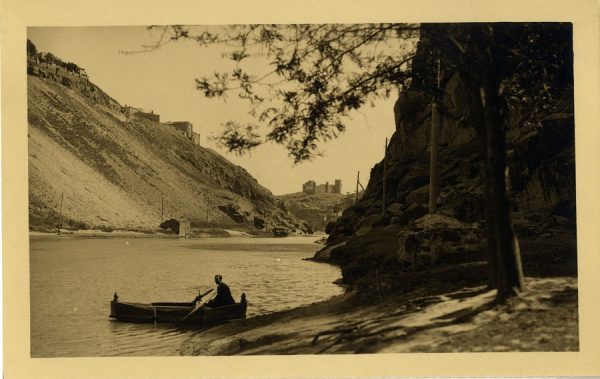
x=163, y=81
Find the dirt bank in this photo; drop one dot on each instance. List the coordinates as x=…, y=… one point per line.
x=91, y=233
x=544, y=318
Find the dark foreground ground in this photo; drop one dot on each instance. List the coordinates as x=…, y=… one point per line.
x=447, y=309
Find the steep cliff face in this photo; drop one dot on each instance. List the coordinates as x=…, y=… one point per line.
x=541, y=159
x=542, y=177
x=115, y=171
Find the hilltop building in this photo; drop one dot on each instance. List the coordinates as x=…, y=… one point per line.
x=312, y=187
x=187, y=129
x=130, y=111
x=309, y=187
x=184, y=127
x=195, y=138
x=148, y=116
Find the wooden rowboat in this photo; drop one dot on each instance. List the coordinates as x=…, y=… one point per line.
x=175, y=312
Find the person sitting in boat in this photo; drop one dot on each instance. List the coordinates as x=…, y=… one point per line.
x=223, y=294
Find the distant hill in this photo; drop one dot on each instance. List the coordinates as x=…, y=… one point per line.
x=316, y=209
x=116, y=171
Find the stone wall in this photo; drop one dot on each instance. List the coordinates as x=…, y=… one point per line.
x=148, y=116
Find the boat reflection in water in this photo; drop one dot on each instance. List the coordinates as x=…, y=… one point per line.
x=176, y=312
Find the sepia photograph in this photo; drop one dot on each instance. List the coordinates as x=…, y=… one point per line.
x=303, y=189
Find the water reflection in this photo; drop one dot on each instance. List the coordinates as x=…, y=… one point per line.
x=73, y=280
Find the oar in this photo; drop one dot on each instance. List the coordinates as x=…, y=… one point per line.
x=195, y=309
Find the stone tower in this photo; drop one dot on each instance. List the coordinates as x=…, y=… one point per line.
x=337, y=188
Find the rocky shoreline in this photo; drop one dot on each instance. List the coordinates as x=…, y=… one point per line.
x=445, y=308
x=455, y=320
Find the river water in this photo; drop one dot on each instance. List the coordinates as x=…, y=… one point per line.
x=73, y=281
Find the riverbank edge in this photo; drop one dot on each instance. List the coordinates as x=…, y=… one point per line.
x=456, y=320
x=216, y=233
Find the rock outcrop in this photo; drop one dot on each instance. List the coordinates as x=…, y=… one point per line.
x=542, y=177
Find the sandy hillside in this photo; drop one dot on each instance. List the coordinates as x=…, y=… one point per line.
x=114, y=170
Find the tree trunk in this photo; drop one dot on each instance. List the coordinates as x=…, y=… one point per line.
x=477, y=121
x=483, y=90
x=509, y=274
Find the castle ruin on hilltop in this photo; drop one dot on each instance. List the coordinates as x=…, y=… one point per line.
x=312, y=187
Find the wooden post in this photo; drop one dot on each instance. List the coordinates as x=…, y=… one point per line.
x=357, y=181
x=434, y=185
x=60, y=212
x=207, y=200
x=384, y=177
